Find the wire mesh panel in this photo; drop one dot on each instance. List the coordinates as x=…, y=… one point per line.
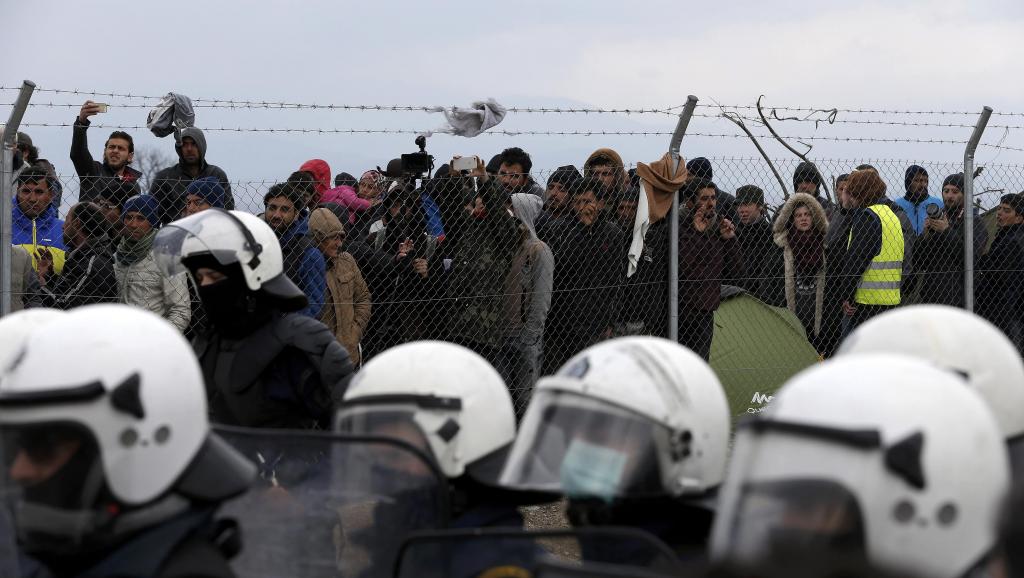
x=528, y=266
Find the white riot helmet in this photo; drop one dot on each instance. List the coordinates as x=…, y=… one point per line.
x=633, y=417
x=959, y=341
x=881, y=456
x=113, y=398
x=218, y=237
x=16, y=327
x=440, y=397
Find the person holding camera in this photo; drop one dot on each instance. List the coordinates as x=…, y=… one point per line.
x=484, y=240
x=118, y=153
x=917, y=203
x=941, y=247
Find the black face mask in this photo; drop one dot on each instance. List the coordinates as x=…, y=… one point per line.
x=233, y=310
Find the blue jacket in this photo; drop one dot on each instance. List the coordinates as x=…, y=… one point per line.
x=45, y=230
x=433, y=213
x=919, y=212
x=305, y=265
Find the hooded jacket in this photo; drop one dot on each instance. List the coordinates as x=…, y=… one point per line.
x=321, y=172
x=347, y=308
x=621, y=177
x=304, y=264
x=808, y=172
x=530, y=278
x=46, y=230
x=916, y=209
x=169, y=184
x=93, y=173
x=781, y=235
x=347, y=197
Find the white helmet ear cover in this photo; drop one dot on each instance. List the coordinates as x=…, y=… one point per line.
x=130, y=379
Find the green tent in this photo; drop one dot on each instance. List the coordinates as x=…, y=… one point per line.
x=756, y=349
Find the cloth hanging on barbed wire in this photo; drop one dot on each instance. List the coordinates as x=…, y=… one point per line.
x=472, y=121
x=171, y=115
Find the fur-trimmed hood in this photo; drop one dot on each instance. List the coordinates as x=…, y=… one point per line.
x=780, y=229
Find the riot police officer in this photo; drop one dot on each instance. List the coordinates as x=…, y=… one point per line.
x=264, y=364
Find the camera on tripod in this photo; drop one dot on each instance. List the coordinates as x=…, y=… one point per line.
x=420, y=164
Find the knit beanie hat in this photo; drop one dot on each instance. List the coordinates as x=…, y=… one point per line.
x=209, y=189
x=147, y=205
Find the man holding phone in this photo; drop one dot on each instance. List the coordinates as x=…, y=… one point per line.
x=118, y=152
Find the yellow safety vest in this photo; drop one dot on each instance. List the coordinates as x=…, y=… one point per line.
x=880, y=284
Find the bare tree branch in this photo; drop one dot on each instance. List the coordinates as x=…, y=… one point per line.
x=149, y=161
x=735, y=118
x=802, y=156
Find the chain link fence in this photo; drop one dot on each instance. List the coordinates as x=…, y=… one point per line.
x=528, y=269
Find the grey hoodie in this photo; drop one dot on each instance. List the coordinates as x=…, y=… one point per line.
x=526, y=207
x=169, y=184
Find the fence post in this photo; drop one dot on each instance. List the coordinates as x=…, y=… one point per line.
x=673, y=220
x=972, y=145
x=7, y=191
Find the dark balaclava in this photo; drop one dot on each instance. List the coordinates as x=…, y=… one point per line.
x=234, y=310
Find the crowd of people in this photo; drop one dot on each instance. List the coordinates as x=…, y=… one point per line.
x=491, y=344
x=524, y=273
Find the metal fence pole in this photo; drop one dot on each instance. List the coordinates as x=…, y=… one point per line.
x=972, y=145
x=7, y=191
x=673, y=221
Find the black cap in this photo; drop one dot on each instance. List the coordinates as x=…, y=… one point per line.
x=566, y=175
x=749, y=194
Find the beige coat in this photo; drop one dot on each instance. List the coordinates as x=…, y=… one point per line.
x=781, y=234
x=347, y=303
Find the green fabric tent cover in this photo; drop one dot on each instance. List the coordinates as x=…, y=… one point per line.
x=756, y=349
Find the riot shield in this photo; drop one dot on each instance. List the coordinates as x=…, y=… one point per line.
x=330, y=504
x=8, y=537
x=514, y=553
x=556, y=569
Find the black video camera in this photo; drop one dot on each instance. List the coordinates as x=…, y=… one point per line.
x=933, y=211
x=418, y=165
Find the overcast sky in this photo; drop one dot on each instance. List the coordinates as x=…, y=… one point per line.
x=953, y=55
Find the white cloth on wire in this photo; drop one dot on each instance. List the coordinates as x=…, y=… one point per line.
x=640, y=226
x=472, y=121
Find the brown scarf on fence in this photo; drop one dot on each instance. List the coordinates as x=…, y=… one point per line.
x=661, y=185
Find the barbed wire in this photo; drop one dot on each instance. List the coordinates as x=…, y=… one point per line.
x=400, y=108
x=585, y=133
x=879, y=122
x=232, y=103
